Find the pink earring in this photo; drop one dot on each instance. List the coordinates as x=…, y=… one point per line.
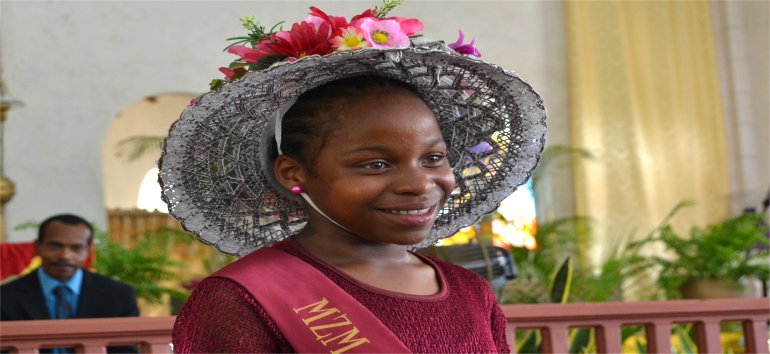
x=296, y=189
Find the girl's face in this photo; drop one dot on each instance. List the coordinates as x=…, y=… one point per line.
x=383, y=172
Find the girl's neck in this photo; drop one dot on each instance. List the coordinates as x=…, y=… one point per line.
x=343, y=249
x=381, y=265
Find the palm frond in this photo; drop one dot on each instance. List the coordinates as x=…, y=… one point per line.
x=135, y=147
x=554, y=152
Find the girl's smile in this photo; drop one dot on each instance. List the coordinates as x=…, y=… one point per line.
x=414, y=217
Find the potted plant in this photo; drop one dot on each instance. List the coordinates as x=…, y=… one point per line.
x=144, y=266
x=710, y=262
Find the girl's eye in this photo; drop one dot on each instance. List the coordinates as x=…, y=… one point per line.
x=434, y=159
x=376, y=165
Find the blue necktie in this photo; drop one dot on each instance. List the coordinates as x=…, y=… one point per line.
x=62, y=307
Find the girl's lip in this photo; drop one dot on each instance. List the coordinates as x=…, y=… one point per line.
x=413, y=217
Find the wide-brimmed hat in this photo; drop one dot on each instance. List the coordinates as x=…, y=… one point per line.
x=216, y=170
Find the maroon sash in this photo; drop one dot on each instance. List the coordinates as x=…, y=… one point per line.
x=313, y=313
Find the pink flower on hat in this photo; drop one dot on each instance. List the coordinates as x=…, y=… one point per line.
x=409, y=26
x=384, y=33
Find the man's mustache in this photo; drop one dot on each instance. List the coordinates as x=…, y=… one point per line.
x=63, y=264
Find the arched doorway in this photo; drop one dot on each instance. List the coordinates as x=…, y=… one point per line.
x=149, y=117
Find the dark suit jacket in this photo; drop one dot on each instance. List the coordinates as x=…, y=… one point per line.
x=22, y=299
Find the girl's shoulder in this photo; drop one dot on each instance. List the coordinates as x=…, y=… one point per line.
x=221, y=316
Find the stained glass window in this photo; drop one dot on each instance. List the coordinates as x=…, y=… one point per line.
x=513, y=224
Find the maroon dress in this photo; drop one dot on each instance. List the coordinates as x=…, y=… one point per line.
x=464, y=317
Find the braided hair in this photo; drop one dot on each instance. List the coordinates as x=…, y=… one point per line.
x=308, y=123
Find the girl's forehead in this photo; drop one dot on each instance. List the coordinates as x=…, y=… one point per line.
x=387, y=113
x=398, y=123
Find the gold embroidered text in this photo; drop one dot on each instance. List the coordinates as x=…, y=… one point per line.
x=330, y=326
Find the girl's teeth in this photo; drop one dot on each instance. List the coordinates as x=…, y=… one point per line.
x=411, y=212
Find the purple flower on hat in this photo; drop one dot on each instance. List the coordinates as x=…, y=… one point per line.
x=467, y=49
x=481, y=148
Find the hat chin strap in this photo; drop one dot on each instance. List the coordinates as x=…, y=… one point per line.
x=310, y=201
x=278, y=118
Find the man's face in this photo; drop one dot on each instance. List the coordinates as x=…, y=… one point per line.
x=64, y=249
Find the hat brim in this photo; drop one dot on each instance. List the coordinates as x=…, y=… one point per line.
x=217, y=178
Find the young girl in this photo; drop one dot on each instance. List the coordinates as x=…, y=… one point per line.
x=324, y=172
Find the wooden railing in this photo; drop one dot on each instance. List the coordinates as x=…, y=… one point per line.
x=153, y=334
x=554, y=321
x=124, y=226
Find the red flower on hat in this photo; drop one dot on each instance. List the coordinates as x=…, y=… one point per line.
x=302, y=40
x=363, y=15
x=317, y=17
x=233, y=73
x=318, y=34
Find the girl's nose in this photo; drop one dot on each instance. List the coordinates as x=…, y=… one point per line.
x=415, y=180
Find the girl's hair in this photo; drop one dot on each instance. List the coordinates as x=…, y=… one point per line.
x=308, y=122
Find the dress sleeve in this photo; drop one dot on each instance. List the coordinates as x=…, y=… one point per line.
x=219, y=317
x=499, y=323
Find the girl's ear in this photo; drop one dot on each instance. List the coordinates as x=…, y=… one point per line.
x=289, y=172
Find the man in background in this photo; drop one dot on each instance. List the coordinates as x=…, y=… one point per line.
x=60, y=288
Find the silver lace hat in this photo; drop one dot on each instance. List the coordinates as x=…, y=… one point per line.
x=216, y=171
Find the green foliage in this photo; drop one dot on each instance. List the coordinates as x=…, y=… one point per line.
x=530, y=341
x=216, y=83
x=216, y=261
x=137, y=146
x=617, y=274
x=264, y=63
x=581, y=340
x=164, y=237
x=29, y=224
x=731, y=249
x=728, y=250
x=143, y=266
x=682, y=338
x=614, y=276
x=387, y=6
x=256, y=32
x=537, y=268
x=560, y=284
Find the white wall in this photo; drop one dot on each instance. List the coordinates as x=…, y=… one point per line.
x=743, y=43
x=757, y=41
x=76, y=65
